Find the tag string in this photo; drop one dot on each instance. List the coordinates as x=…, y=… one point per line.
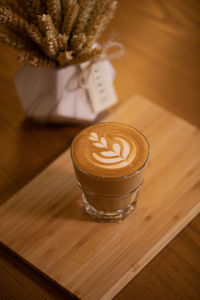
x=107, y=54
x=83, y=74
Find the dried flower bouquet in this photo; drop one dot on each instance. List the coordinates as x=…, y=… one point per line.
x=54, y=33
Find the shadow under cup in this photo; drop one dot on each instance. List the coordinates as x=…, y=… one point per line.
x=109, y=199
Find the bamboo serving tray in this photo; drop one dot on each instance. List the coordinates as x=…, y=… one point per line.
x=45, y=224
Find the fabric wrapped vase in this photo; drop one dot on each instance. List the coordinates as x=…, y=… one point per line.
x=57, y=95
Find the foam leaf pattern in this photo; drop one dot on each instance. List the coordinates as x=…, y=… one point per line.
x=103, y=141
x=108, y=153
x=99, y=145
x=116, y=147
x=113, y=154
x=93, y=136
x=119, y=156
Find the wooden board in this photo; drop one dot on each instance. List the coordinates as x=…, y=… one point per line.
x=45, y=224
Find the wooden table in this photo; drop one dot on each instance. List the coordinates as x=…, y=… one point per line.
x=162, y=62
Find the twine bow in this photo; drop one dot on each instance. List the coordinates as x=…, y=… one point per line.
x=84, y=73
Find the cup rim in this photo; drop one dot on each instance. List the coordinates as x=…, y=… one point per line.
x=110, y=178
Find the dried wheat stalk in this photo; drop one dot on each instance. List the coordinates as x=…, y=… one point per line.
x=78, y=41
x=62, y=41
x=35, y=59
x=54, y=9
x=70, y=17
x=86, y=55
x=65, y=58
x=15, y=41
x=55, y=33
x=18, y=23
x=86, y=7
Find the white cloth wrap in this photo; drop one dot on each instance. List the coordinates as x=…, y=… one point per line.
x=45, y=96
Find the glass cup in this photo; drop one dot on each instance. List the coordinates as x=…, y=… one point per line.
x=109, y=199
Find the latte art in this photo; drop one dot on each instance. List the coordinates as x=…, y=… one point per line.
x=109, y=161
x=110, y=150
x=116, y=155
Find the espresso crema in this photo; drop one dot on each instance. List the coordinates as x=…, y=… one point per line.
x=110, y=150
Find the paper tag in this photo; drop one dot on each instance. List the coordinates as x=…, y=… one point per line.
x=100, y=89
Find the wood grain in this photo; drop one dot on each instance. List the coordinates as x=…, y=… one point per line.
x=162, y=59
x=42, y=222
x=162, y=62
x=15, y=278
x=173, y=274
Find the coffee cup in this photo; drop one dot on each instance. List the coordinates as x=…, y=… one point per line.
x=109, y=160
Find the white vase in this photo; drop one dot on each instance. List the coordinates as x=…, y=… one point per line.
x=54, y=96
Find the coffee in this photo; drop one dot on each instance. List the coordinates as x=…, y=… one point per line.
x=110, y=150
x=109, y=160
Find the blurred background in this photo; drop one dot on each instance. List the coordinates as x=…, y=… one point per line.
x=162, y=59
x=161, y=62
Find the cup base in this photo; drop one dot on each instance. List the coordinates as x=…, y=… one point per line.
x=105, y=216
